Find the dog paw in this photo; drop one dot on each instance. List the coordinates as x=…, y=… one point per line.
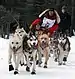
x=27, y=69
x=25, y=64
x=64, y=63
x=37, y=62
x=33, y=73
x=22, y=64
x=15, y=72
x=45, y=66
x=64, y=59
x=55, y=60
x=11, y=67
x=59, y=64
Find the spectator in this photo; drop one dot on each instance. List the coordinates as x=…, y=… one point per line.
x=65, y=23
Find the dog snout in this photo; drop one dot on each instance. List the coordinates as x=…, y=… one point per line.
x=20, y=35
x=34, y=43
x=19, y=32
x=43, y=41
x=14, y=47
x=60, y=42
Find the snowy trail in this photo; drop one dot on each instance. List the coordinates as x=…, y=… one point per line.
x=52, y=72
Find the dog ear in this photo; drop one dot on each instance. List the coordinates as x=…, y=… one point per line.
x=22, y=28
x=73, y=31
x=17, y=27
x=30, y=33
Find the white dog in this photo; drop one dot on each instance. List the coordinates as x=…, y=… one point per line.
x=21, y=33
x=14, y=46
x=15, y=50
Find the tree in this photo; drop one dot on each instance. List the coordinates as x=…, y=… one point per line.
x=6, y=17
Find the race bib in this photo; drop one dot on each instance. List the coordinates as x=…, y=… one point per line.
x=48, y=22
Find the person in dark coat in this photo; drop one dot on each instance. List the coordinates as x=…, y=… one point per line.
x=65, y=23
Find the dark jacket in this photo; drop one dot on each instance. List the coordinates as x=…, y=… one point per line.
x=65, y=23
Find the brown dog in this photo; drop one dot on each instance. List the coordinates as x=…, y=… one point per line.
x=43, y=47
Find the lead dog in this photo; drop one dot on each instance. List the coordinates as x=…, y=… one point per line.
x=43, y=48
x=30, y=50
x=15, y=50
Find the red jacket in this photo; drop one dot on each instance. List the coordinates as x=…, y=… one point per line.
x=39, y=20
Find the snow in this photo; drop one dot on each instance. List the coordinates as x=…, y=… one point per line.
x=52, y=72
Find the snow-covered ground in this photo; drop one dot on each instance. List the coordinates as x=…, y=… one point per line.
x=52, y=72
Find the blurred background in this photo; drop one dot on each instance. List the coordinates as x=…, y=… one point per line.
x=27, y=11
